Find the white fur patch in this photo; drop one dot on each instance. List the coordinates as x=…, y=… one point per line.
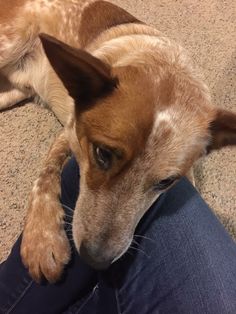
x=163, y=116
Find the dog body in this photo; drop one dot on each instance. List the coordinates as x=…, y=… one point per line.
x=24, y=69
x=136, y=113
x=23, y=63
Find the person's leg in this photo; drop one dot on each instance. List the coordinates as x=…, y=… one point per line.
x=20, y=295
x=184, y=262
x=188, y=265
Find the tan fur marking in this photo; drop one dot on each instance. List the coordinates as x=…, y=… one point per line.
x=100, y=16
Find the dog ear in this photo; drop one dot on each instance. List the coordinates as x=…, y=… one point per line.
x=223, y=130
x=85, y=77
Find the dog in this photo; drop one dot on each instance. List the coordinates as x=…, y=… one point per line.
x=136, y=116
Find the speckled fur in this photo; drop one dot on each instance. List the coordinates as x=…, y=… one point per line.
x=159, y=98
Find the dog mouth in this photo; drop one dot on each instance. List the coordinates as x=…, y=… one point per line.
x=100, y=258
x=95, y=261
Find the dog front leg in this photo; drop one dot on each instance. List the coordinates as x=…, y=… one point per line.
x=10, y=96
x=45, y=248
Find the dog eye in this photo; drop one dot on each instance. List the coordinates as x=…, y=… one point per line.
x=103, y=157
x=164, y=184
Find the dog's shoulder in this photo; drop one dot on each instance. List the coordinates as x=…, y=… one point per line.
x=99, y=16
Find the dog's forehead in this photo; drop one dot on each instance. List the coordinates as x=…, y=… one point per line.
x=127, y=114
x=161, y=118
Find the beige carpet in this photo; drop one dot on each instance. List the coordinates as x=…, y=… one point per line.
x=207, y=28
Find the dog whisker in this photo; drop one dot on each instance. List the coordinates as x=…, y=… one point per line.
x=143, y=237
x=135, y=242
x=67, y=207
x=68, y=216
x=68, y=223
x=140, y=250
x=64, y=206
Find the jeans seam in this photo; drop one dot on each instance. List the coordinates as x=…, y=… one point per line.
x=87, y=299
x=117, y=301
x=20, y=297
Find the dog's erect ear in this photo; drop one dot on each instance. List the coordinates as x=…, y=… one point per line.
x=85, y=77
x=223, y=130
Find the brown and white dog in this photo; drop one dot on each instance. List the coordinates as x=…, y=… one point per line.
x=136, y=115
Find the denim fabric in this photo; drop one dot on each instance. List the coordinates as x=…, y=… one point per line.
x=183, y=261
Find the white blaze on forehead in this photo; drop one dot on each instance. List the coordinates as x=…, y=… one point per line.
x=186, y=134
x=163, y=116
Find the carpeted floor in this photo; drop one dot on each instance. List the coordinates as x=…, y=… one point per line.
x=207, y=28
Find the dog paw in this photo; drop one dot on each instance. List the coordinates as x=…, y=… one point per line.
x=45, y=248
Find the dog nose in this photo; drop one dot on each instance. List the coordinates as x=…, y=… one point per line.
x=93, y=258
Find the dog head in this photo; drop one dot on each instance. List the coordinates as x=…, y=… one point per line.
x=142, y=118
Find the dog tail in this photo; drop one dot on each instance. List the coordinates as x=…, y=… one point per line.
x=18, y=40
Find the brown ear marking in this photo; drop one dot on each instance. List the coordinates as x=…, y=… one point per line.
x=223, y=130
x=92, y=24
x=85, y=77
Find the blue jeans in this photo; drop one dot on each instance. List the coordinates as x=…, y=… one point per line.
x=184, y=262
